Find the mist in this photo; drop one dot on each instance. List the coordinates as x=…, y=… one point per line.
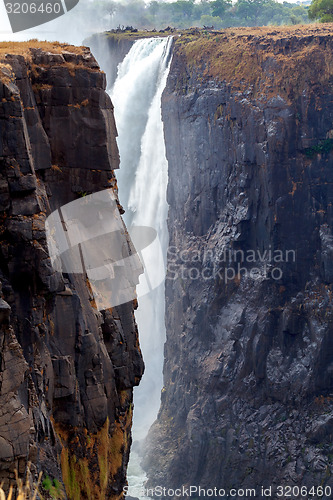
x=72, y=27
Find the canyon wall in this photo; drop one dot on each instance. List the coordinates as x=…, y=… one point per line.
x=67, y=371
x=248, y=375
x=110, y=49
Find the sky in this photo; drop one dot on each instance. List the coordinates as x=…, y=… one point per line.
x=72, y=27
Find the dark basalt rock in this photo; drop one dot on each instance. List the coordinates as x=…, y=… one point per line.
x=248, y=374
x=65, y=379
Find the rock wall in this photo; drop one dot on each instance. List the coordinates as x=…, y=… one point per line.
x=110, y=49
x=247, y=399
x=67, y=371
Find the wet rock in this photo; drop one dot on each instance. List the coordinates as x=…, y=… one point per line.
x=60, y=384
x=248, y=373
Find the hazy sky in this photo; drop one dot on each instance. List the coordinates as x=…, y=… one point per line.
x=72, y=27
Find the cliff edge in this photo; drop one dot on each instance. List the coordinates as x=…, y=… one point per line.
x=248, y=386
x=67, y=371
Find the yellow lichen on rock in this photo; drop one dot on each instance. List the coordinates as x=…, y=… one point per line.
x=91, y=461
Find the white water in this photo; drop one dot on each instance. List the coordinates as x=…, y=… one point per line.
x=142, y=182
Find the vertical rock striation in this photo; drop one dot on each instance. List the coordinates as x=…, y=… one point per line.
x=110, y=49
x=66, y=370
x=248, y=388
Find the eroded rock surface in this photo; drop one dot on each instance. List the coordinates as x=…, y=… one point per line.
x=248, y=388
x=66, y=370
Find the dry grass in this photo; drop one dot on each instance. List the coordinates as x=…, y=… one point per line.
x=23, y=48
x=6, y=73
x=77, y=105
x=289, y=58
x=24, y=491
x=56, y=168
x=43, y=86
x=90, y=461
x=72, y=67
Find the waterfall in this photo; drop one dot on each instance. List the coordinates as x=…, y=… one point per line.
x=142, y=183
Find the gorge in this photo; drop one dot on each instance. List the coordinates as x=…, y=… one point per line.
x=67, y=369
x=247, y=395
x=136, y=95
x=247, y=398
x=247, y=389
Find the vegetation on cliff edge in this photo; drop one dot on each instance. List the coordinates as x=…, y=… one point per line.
x=283, y=60
x=322, y=10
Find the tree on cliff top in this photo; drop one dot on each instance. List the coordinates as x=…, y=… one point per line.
x=220, y=6
x=322, y=10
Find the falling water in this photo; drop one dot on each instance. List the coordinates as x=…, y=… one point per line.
x=142, y=182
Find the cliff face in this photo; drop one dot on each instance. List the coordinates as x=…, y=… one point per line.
x=111, y=47
x=248, y=388
x=66, y=370
x=110, y=50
